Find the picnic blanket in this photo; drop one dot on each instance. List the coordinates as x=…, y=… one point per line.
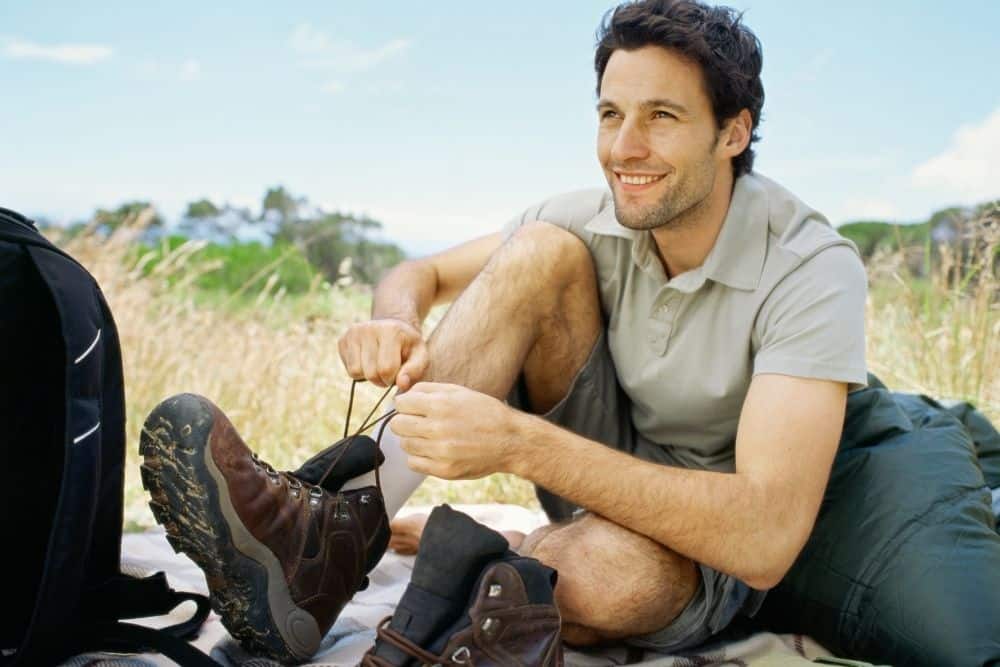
x=354, y=633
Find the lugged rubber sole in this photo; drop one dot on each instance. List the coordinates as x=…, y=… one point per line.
x=190, y=499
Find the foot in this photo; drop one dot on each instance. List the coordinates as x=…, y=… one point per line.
x=282, y=557
x=406, y=532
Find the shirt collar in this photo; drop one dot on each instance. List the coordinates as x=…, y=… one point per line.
x=606, y=223
x=736, y=258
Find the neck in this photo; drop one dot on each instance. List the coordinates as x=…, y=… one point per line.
x=684, y=244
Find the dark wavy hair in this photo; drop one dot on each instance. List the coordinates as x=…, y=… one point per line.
x=714, y=37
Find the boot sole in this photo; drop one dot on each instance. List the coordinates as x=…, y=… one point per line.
x=190, y=499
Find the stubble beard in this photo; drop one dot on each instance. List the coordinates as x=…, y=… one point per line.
x=678, y=207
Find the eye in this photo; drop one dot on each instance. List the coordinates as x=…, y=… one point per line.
x=664, y=114
x=608, y=114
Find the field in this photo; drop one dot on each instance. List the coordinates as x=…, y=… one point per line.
x=270, y=360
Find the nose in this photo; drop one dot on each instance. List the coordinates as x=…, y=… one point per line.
x=630, y=143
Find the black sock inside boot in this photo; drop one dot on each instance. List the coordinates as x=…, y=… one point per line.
x=356, y=461
x=453, y=551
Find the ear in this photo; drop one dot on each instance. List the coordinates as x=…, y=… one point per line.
x=736, y=134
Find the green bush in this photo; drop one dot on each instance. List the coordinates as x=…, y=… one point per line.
x=240, y=266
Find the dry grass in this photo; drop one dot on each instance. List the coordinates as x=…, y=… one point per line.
x=274, y=367
x=940, y=335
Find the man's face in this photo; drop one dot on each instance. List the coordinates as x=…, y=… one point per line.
x=657, y=136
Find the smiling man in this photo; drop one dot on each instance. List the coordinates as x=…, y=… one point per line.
x=677, y=362
x=679, y=356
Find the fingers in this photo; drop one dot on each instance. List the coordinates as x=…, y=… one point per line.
x=369, y=362
x=350, y=354
x=415, y=366
x=387, y=360
x=376, y=350
x=410, y=426
x=422, y=465
x=414, y=402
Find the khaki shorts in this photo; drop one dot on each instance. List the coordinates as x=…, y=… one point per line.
x=597, y=408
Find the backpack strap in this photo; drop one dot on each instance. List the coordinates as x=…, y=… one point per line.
x=132, y=638
x=127, y=597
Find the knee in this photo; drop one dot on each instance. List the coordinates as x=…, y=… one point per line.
x=553, y=247
x=614, y=581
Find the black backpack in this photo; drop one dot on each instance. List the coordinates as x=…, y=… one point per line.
x=62, y=420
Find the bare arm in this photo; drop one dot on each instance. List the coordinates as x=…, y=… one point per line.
x=410, y=290
x=390, y=347
x=751, y=523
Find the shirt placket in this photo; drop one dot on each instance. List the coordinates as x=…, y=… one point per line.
x=661, y=320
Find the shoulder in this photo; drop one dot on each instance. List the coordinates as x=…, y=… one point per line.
x=569, y=210
x=801, y=240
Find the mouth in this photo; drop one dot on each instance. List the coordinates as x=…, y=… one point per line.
x=637, y=182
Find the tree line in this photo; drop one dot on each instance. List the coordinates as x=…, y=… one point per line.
x=335, y=244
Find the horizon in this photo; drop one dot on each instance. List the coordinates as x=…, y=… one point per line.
x=426, y=119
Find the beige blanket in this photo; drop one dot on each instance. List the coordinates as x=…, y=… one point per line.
x=354, y=633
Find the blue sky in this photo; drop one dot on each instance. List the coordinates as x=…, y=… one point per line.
x=444, y=119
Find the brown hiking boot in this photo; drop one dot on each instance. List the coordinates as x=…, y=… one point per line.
x=282, y=557
x=471, y=601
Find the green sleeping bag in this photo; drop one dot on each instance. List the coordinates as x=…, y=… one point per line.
x=903, y=565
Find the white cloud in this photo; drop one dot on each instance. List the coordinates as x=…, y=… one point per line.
x=64, y=54
x=332, y=87
x=319, y=50
x=969, y=169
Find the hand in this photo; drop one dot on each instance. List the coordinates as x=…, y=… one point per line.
x=453, y=432
x=384, y=351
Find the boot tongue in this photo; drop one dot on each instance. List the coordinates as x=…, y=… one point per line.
x=453, y=551
x=358, y=459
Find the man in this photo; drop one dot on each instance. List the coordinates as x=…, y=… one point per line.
x=730, y=314
x=693, y=341
x=733, y=316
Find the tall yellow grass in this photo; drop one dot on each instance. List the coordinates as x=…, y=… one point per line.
x=275, y=370
x=939, y=334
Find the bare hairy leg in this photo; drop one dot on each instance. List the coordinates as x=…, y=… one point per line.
x=534, y=309
x=613, y=583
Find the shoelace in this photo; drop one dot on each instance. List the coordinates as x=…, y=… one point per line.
x=459, y=657
x=316, y=491
x=365, y=425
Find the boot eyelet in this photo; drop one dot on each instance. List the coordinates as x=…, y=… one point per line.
x=461, y=655
x=293, y=483
x=489, y=625
x=495, y=591
x=315, y=494
x=365, y=499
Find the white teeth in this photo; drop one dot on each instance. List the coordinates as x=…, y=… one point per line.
x=638, y=180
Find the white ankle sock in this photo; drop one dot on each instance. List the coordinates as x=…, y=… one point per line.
x=398, y=481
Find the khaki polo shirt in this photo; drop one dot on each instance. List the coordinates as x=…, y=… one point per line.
x=780, y=292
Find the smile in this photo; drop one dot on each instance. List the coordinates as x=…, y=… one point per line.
x=637, y=179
